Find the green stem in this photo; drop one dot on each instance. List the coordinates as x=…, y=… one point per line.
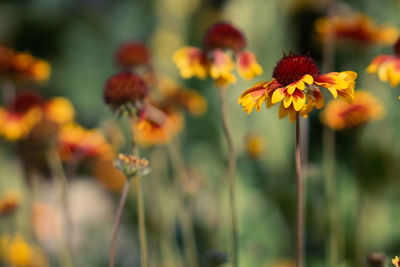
x=142, y=224
x=231, y=178
x=300, y=242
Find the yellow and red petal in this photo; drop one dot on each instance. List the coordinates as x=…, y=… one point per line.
x=299, y=100
x=247, y=65
x=222, y=65
x=377, y=62
x=278, y=95
x=339, y=83
x=16, y=126
x=253, y=97
x=191, y=61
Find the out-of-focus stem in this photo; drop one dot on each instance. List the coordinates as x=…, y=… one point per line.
x=118, y=221
x=230, y=177
x=300, y=242
x=57, y=171
x=184, y=213
x=142, y=224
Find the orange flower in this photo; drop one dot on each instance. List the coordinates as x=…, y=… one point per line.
x=107, y=175
x=75, y=141
x=190, y=100
x=160, y=125
x=215, y=60
x=396, y=262
x=340, y=115
x=387, y=66
x=295, y=83
x=9, y=203
x=357, y=28
x=22, y=65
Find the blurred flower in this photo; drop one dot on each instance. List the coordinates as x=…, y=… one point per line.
x=107, y=175
x=9, y=203
x=159, y=126
x=132, y=54
x=220, y=41
x=76, y=141
x=125, y=90
x=255, y=145
x=396, y=262
x=15, y=251
x=190, y=100
x=29, y=110
x=131, y=165
x=357, y=28
x=22, y=65
x=387, y=66
x=340, y=115
x=295, y=83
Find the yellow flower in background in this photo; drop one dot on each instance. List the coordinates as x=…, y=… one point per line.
x=59, y=110
x=17, y=125
x=255, y=145
x=396, y=261
x=295, y=84
x=357, y=28
x=9, y=203
x=159, y=126
x=76, y=141
x=215, y=60
x=16, y=252
x=340, y=115
x=189, y=99
x=387, y=66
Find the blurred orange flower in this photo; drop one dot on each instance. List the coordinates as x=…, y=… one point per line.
x=295, y=83
x=76, y=141
x=15, y=251
x=340, y=115
x=105, y=172
x=396, y=262
x=9, y=203
x=387, y=66
x=132, y=54
x=357, y=28
x=22, y=65
x=221, y=40
x=159, y=126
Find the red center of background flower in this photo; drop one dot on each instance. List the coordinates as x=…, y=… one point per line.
x=25, y=101
x=291, y=68
x=124, y=88
x=132, y=54
x=224, y=36
x=397, y=47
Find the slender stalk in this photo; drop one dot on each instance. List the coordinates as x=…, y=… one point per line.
x=299, y=256
x=230, y=177
x=330, y=189
x=184, y=214
x=57, y=171
x=118, y=221
x=142, y=224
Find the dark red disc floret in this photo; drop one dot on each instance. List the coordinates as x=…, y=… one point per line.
x=26, y=100
x=224, y=36
x=132, y=54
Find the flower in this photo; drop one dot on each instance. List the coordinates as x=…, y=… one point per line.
x=125, y=90
x=340, y=115
x=131, y=165
x=29, y=111
x=215, y=59
x=396, y=262
x=132, y=54
x=387, y=66
x=159, y=125
x=296, y=81
x=357, y=28
x=255, y=145
x=175, y=94
x=15, y=251
x=76, y=141
x=9, y=203
x=22, y=65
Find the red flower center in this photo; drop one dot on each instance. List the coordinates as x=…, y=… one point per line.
x=291, y=68
x=132, y=54
x=25, y=101
x=224, y=36
x=397, y=47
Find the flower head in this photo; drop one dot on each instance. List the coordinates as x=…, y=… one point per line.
x=396, y=261
x=296, y=84
x=357, y=28
x=132, y=166
x=255, y=145
x=387, y=66
x=340, y=115
x=125, y=90
x=215, y=59
x=132, y=54
x=9, y=203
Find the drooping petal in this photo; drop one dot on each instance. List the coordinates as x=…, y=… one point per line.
x=299, y=100
x=339, y=83
x=278, y=95
x=247, y=65
x=253, y=97
x=191, y=61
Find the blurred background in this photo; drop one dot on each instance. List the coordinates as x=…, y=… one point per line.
x=79, y=39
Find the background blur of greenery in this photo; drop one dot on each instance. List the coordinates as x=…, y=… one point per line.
x=79, y=38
